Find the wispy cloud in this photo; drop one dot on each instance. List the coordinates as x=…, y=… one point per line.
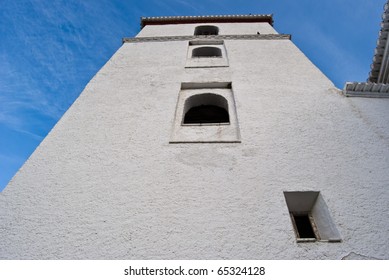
x=49, y=50
x=48, y=53
x=195, y=7
x=332, y=58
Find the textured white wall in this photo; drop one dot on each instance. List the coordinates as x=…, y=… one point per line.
x=224, y=29
x=106, y=183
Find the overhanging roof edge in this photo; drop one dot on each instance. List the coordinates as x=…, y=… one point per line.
x=381, y=50
x=205, y=19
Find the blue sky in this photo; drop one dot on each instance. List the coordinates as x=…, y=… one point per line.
x=50, y=49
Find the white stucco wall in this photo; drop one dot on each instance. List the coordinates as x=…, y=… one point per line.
x=106, y=183
x=241, y=28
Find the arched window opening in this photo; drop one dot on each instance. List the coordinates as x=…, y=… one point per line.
x=206, y=30
x=207, y=52
x=206, y=114
x=206, y=108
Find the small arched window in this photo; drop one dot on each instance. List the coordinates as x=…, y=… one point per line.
x=207, y=52
x=206, y=30
x=206, y=108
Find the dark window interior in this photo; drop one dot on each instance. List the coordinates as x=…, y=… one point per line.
x=207, y=52
x=206, y=30
x=304, y=226
x=206, y=114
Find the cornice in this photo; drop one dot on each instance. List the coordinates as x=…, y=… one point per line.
x=207, y=37
x=366, y=90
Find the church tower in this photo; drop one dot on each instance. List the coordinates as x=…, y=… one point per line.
x=206, y=137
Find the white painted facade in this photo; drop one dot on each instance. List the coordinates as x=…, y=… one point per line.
x=107, y=183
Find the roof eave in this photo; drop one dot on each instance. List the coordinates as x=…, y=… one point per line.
x=380, y=59
x=205, y=19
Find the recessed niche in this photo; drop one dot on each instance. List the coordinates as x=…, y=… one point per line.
x=205, y=113
x=206, y=54
x=310, y=217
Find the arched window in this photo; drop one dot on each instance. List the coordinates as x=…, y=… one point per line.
x=206, y=108
x=207, y=52
x=206, y=30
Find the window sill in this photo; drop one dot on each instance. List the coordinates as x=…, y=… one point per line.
x=204, y=124
x=304, y=240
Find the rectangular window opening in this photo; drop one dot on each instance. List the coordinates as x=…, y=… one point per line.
x=310, y=217
x=304, y=226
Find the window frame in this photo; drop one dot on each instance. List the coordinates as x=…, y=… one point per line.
x=311, y=203
x=205, y=132
x=206, y=61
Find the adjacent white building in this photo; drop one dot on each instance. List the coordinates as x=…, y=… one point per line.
x=206, y=137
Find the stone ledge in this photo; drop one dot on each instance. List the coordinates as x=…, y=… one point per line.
x=208, y=37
